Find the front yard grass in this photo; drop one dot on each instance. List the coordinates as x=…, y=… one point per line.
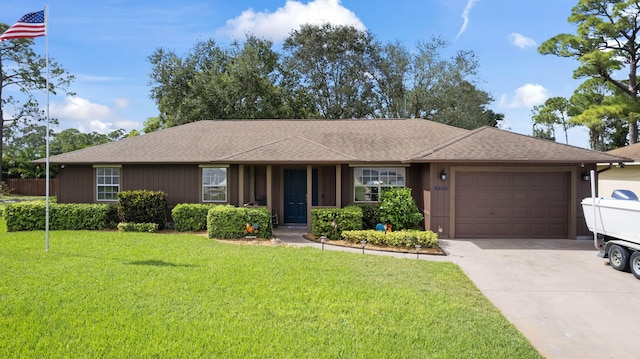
x=117, y=295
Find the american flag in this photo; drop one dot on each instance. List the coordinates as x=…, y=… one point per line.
x=29, y=26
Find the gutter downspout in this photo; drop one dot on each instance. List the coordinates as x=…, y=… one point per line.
x=605, y=169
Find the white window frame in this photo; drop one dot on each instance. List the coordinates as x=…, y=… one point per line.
x=221, y=186
x=108, y=177
x=369, y=181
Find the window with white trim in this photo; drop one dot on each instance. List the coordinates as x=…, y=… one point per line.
x=214, y=184
x=108, y=183
x=369, y=182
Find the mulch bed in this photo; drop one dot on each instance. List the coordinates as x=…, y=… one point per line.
x=312, y=237
x=430, y=251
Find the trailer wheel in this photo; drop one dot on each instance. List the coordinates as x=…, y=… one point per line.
x=619, y=258
x=634, y=263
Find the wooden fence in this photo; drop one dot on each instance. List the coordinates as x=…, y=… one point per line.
x=31, y=186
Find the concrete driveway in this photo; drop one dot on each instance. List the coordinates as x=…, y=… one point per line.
x=558, y=293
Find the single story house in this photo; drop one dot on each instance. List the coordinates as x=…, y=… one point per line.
x=616, y=176
x=482, y=183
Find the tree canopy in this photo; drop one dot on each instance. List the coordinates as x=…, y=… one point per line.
x=606, y=44
x=324, y=71
x=23, y=72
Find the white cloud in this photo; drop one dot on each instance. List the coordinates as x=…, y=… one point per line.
x=277, y=25
x=521, y=41
x=528, y=96
x=88, y=116
x=78, y=108
x=465, y=17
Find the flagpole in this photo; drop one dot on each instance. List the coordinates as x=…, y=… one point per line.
x=46, y=35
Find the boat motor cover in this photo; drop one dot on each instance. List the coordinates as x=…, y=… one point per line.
x=624, y=194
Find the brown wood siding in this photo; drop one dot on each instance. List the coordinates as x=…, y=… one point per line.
x=584, y=191
x=347, y=185
x=276, y=190
x=414, y=181
x=233, y=177
x=512, y=204
x=181, y=183
x=326, y=186
x=260, y=175
x=76, y=184
x=440, y=199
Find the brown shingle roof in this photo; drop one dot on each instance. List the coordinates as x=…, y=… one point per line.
x=326, y=141
x=489, y=144
x=631, y=151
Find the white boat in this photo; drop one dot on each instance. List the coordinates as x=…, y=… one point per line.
x=615, y=217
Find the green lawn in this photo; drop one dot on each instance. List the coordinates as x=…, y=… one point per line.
x=128, y=295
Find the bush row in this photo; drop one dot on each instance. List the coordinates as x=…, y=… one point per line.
x=30, y=216
x=143, y=206
x=403, y=238
x=137, y=227
x=331, y=222
x=190, y=216
x=228, y=222
x=370, y=214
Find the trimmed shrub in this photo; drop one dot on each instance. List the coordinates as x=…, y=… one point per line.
x=260, y=217
x=30, y=216
x=143, y=206
x=26, y=216
x=330, y=222
x=398, y=207
x=370, y=214
x=190, y=216
x=403, y=238
x=228, y=222
x=112, y=216
x=137, y=227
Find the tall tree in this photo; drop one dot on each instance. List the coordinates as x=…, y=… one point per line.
x=72, y=139
x=22, y=72
x=23, y=144
x=332, y=63
x=326, y=71
x=599, y=106
x=606, y=42
x=444, y=90
x=554, y=111
x=216, y=83
x=391, y=72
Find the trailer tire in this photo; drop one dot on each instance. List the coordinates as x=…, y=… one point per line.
x=634, y=264
x=619, y=258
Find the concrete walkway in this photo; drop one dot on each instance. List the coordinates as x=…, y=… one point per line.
x=558, y=293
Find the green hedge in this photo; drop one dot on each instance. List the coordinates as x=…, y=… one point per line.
x=31, y=216
x=370, y=215
x=137, y=227
x=228, y=222
x=330, y=222
x=404, y=238
x=190, y=216
x=398, y=208
x=143, y=206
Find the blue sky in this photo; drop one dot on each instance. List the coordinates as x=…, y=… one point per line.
x=105, y=44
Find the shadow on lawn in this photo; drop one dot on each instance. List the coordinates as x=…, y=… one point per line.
x=158, y=263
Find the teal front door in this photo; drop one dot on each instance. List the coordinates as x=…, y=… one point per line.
x=295, y=196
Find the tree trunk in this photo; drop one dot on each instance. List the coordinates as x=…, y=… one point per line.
x=633, y=132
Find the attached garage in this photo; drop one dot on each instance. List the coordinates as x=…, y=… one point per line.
x=512, y=204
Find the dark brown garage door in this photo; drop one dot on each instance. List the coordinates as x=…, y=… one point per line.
x=512, y=204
